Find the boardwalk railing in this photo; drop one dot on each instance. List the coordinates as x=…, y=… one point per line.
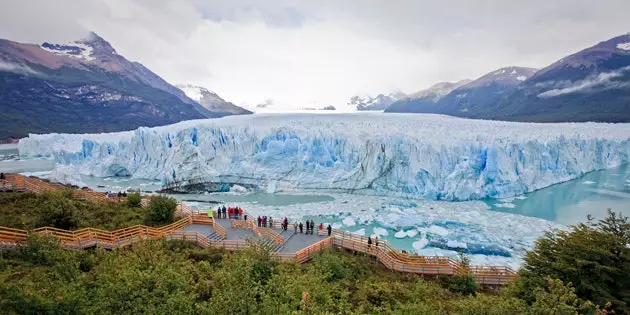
x=89, y=237
x=219, y=229
x=307, y=253
x=270, y=234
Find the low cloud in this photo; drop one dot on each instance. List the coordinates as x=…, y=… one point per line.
x=16, y=68
x=602, y=81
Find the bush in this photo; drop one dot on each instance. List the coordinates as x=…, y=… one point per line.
x=593, y=257
x=464, y=282
x=133, y=200
x=161, y=210
x=60, y=211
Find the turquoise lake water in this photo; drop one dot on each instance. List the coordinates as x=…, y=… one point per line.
x=570, y=202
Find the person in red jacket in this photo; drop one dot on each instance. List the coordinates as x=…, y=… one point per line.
x=230, y=212
x=321, y=228
x=240, y=212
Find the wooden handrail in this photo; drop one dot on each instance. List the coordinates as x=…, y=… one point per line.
x=270, y=234
x=390, y=257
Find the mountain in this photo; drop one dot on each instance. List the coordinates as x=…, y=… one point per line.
x=424, y=101
x=475, y=96
x=83, y=86
x=379, y=102
x=590, y=85
x=211, y=101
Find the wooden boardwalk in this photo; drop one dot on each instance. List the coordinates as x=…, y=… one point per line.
x=234, y=235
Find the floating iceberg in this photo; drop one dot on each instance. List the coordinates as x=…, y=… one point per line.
x=429, y=156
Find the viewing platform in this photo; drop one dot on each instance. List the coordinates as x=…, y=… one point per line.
x=237, y=234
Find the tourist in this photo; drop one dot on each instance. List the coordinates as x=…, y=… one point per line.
x=369, y=242
x=240, y=213
x=265, y=221
x=270, y=222
x=376, y=241
x=245, y=217
x=301, y=228
x=286, y=223
x=259, y=221
x=224, y=212
x=229, y=212
x=2, y=177
x=329, y=228
x=321, y=228
x=295, y=226
x=312, y=227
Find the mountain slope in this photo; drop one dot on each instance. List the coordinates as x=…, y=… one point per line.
x=424, y=101
x=590, y=85
x=471, y=98
x=211, y=101
x=84, y=86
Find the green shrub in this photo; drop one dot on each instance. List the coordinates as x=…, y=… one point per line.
x=161, y=210
x=593, y=257
x=60, y=211
x=133, y=200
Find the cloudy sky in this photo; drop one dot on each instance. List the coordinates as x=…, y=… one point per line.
x=314, y=53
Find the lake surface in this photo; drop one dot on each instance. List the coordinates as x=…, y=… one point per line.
x=570, y=202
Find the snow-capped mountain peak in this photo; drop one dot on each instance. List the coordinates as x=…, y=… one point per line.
x=72, y=49
x=196, y=93
x=86, y=49
x=210, y=100
x=504, y=76
x=379, y=102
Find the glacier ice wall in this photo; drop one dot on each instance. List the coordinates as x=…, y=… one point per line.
x=430, y=156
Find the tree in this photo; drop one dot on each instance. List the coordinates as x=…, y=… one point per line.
x=463, y=282
x=594, y=257
x=556, y=298
x=161, y=210
x=59, y=211
x=133, y=200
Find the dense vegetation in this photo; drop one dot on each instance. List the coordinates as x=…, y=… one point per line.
x=593, y=256
x=60, y=210
x=179, y=278
x=583, y=270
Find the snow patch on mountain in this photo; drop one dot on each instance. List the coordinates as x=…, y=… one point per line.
x=624, y=46
x=72, y=49
x=194, y=92
x=440, y=158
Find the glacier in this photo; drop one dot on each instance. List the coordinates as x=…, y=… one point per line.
x=419, y=156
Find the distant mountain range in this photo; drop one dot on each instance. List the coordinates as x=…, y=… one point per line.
x=379, y=102
x=590, y=85
x=84, y=86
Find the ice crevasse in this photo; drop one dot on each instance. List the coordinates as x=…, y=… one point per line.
x=429, y=156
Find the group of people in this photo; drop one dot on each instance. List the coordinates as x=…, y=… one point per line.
x=370, y=241
x=235, y=213
x=264, y=221
x=310, y=227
